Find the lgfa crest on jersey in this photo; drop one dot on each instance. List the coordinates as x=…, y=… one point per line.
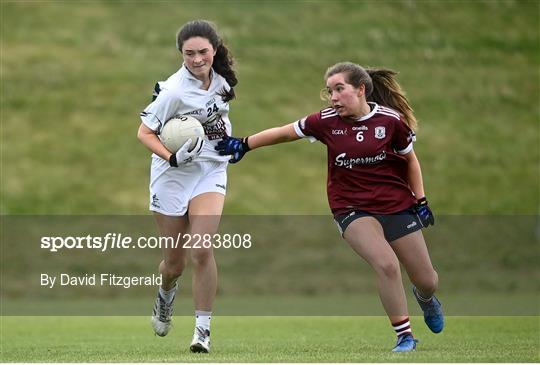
x=380, y=132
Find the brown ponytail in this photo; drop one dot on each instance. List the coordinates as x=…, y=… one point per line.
x=387, y=92
x=381, y=87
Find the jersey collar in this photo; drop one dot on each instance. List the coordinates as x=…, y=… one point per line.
x=188, y=75
x=374, y=107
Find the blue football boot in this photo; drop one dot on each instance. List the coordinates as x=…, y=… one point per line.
x=405, y=343
x=433, y=315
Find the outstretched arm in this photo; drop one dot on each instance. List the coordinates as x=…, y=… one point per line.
x=272, y=136
x=238, y=147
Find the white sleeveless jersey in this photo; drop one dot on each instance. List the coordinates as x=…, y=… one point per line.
x=180, y=94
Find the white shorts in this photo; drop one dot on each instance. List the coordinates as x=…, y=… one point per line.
x=172, y=188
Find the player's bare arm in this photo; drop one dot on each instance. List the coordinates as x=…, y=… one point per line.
x=414, y=174
x=149, y=138
x=238, y=147
x=272, y=136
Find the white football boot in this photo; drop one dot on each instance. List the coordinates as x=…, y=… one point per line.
x=201, y=341
x=161, y=316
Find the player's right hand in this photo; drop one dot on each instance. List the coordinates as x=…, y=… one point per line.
x=237, y=147
x=186, y=155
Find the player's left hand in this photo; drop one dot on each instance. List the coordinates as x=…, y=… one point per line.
x=237, y=147
x=185, y=155
x=424, y=213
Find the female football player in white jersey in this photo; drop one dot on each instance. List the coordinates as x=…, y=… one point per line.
x=375, y=187
x=187, y=188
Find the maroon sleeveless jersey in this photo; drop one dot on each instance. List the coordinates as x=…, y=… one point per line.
x=366, y=167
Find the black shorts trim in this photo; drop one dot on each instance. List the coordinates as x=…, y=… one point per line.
x=394, y=225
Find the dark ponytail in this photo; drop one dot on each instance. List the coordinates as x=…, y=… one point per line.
x=223, y=60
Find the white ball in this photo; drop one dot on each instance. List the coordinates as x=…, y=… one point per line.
x=178, y=130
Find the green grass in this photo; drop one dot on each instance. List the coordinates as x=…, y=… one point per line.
x=358, y=303
x=75, y=75
x=266, y=339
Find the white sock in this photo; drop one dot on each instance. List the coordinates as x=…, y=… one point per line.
x=168, y=295
x=202, y=319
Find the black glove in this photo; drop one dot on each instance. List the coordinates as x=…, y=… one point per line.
x=237, y=147
x=424, y=213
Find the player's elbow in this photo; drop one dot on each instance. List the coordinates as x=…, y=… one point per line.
x=141, y=133
x=141, y=137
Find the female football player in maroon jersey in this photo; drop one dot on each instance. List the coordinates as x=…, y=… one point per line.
x=375, y=187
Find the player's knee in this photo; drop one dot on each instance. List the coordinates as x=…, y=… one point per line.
x=428, y=283
x=172, y=268
x=201, y=256
x=388, y=268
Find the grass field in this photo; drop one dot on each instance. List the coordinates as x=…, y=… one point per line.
x=267, y=339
